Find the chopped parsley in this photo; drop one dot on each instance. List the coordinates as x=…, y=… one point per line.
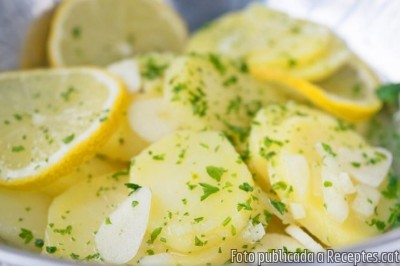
x=197, y=99
x=19, y=148
x=279, y=185
x=328, y=149
x=230, y=81
x=51, y=249
x=26, y=235
x=328, y=184
x=65, y=231
x=152, y=70
x=69, y=139
x=279, y=206
x=227, y=221
x=380, y=225
x=246, y=187
x=267, y=216
x=198, y=219
x=216, y=62
x=198, y=242
x=159, y=157
x=76, y=32
x=392, y=188
x=108, y=221
x=208, y=190
x=135, y=203
x=356, y=164
x=156, y=232
x=132, y=186
x=18, y=117
x=39, y=243
x=215, y=172
x=244, y=205
x=67, y=94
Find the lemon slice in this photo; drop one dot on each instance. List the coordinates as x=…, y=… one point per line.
x=264, y=36
x=99, y=32
x=333, y=58
x=52, y=120
x=348, y=94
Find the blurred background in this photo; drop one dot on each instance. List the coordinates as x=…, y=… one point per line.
x=371, y=27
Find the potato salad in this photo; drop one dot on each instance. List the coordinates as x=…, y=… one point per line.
x=139, y=144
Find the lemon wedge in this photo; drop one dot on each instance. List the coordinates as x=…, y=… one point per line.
x=52, y=121
x=348, y=94
x=100, y=32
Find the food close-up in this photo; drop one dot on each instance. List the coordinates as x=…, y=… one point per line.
x=128, y=136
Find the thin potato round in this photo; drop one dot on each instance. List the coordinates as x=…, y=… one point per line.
x=23, y=218
x=76, y=215
x=202, y=190
x=331, y=203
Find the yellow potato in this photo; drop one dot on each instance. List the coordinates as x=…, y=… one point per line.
x=212, y=92
x=76, y=215
x=95, y=167
x=245, y=239
x=298, y=153
x=23, y=218
x=202, y=190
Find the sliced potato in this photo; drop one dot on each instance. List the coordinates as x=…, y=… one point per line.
x=76, y=215
x=211, y=92
x=23, y=218
x=245, y=239
x=290, y=137
x=202, y=190
x=95, y=167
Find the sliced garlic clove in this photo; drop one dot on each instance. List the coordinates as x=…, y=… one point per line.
x=366, y=200
x=368, y=166
x=297, y=210
x=307, y=241
x=128, y=71
x=121, y=234
x=300, y=178
x=253, y=233
x=151, y=119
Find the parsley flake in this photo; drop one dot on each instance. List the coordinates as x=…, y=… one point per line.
x=215, y=172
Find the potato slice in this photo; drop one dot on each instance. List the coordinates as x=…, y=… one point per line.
x=95, y=167
x=211, y=92
x=202, y=190
x=23, y=218
x=291, y=137
x=76, y=215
